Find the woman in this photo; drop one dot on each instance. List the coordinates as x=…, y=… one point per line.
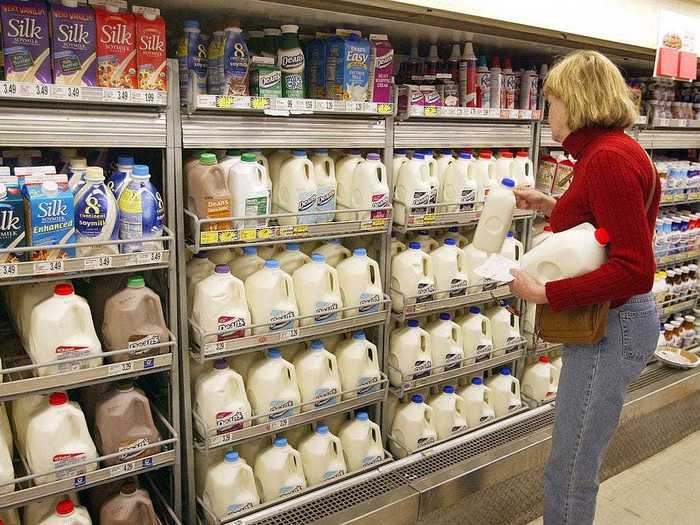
x=614, y=180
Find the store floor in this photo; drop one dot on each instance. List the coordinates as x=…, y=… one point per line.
x=658, y=490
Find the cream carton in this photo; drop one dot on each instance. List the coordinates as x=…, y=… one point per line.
x=348, y=66
x=382, y=70
x=11, y=217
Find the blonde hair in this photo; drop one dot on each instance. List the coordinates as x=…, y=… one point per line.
x=593, y=91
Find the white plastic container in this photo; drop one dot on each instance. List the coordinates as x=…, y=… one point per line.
x=229, y=487
x=369, y=190
x=232, y=157
x=276, y=160
x=446, y=347
x=502, y=166
x=476, y=335
x=333, y=251
x=251, y=191
x=540, y=380
x=96, y=215
x=522, y=171
x=318, y=376
x=459, y=187
x=291, y=258
x=410, y=354
x=247, y=264
x=271, y=300
x=477, y=403
x=413, y=427
x=260, y=158
x=362, y=442
x=7, y=470
x=432, y=177
x=496, y=218
x=448, y=413
x=279, y=471
x=444, y=160
x=67, y=513
x=557, y=362
x=297, y=190
x=22, y=301
x=345, y=175
x=427, y=243
x=505, y=393
x=396, y=247
x=272, y=387
x=199, y=267
x=324, y=175
x=399, y=159
x=322, y=456
x=358, y=363
x=482, y=169
x=317, y=289
x=512, y=248
x=450, y=269
x=58, y=437
x=453, y=232
x=545, y=234
x=411, y=277
x=412, y=189
x=505, y=327
x=360, y=284
x=22, y=410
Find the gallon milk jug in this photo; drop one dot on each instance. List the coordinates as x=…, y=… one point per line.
x=427, y=243
x=396, y=246
x=370, y=190
x=142, y=214
x=411, y=277
x=133, y=319
x=219, y=306
x=124, y=424
x=260, y=158
x=458, y=186
x=27, y=298
x=522, y=172
x=542, y=236
x=58, y=437
x=317, y=290
x=505, y=328
x=496, y=218
x=247, y=264
x=96, y=215
x=270, y=294
x=208, y=196
x=77, y=168
x=502, y=167
x=241, y=363
x=198, y=267
x=358, y=363
x=251, y=189
x=474, y=258
x=345, y=175
x=131, y=505
x=318, y=376
x=272, y=387
x=249, y=450
x=61, y=328
x=505, y=393
x=482, y=169
x=446, y=345
x=410, y=355
x=557, y=364
x=279, y=471
x=333, y=251
x=5, y=429
x=477, y=403
x=453, y=232
x=413, y=427
x=229, y=487
x=22, y=410
x=232, y=157
x=512, y=248
x=540, y=380
x=67, y=513
x=432, y=177
x=220, y=400
x=412, y=189
x=448, y=413
x=398, y=161
x=362, y=442
x=566, y=254
x=476, y=335
x=322, y=456
x=291, y=258
x=278, y=158
x=298, y=434
x=7, y=470
x=221, y=256
x=360, y=284
x=444, y=160
x=297, y=190
x=324, y=175
x=450, y=269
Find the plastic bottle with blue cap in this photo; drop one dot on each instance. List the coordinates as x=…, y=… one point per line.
x=345, y=174
x=297, y=190
x=427, y=243
x=413, y=427
x=120, y=176
x=477, y=402
x=333, y=251
x=291, y=258
x=271, y=299
x=279, y=471
x=360, y=284
x=318, y=376
x=444, y=161
x=459, y=188
x=476, y=335
x=362, y=442
x=512, y=248
x=446, y=346
x=448, y=413
x=322, y=456
x=272, y=387
x=496, y=217
x=317, y=289
x=246, y=264
x=450, y=269
x=505, y=392
x=141, y=213
x=410, y=354
x=251, y=191
x=358, y=361
x=412, y=277
x=369, y=190
x=324, y=175
x=411, y=189
x=505, y=328
x=229, y=487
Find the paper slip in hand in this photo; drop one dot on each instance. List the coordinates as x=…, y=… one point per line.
x=497, y=268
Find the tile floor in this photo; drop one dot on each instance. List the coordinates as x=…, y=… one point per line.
x=660, y=490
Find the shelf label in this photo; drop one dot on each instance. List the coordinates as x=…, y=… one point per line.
x=227, y=236
x=9, y=89
x=385, y=108
x=98, y=263
x=265, y=233
x=248, y=235
x=49, y=266
x=216, y=347
x=8, y=270
x=260, y=102
x=138, y=96
x=430, y=111
x=303, y=105
x=284, y=104
x=355, y=107
x=116, y=369
x=120, y=470
x=429, y=218
x=277, y=425
x=209, y=238
x=115, y=95
x=289, y=334
x=68, y=92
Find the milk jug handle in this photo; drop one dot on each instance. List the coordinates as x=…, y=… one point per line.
x=259, y=168
x=372, y=353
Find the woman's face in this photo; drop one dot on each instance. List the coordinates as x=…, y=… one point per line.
x=557, y=119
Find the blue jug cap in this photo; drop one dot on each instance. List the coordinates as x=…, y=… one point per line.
x=140, y=170
x=231, y=457
x=399, y=151
x=250, y=250
x=508, y=183
x=505, y=371
x=362, y=416
x=444, y=316
x=359, y=252
x=125, y=160
x=299, y=153
x=359, y=334
x=450, y=241
x=281, y=442
x=418, y=156
x=322, y=429
x=464, y=155
x=222, y=268
x=272, y=263
x=474, y=310
x=417, y=398
x=201, y=255
x=509, y=235
x=414, y=245
x=274, y=353
x=318, y=257
x=333, y=241
x=292, y=246
x=477, y=381
x=413, y=323
x=448, y=389
x=446, y=151
x=317, y=344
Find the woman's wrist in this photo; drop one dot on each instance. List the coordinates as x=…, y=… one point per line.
x=550, y=203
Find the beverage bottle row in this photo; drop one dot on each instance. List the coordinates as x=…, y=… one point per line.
x=676, y=232
x=675, y=285
x=679, y=331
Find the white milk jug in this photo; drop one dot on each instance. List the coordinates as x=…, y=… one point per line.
x=432, y=177
x=522, y=171
x=229, y=487
x=61, y=328
x=410, y=355
x=557, y=362
x=362, y=442
x=221, y=256
x=477, y=403
x=251, y=189
x=7, y=469
x=370, y=189
x=512, y=248
x=322, y=456
x=496, y=218
x=297, y=190
x=399, y=160
x=22, y=302
x=318, y=376
x=22, y=410
x=317, y=290
x=324, y=175
x=219, y=306
x=232, y=157
x=199, y=267
x=58, y=437
x=298, y=434
x=67, y=513
x=220, y=400
x=427, y=243
x=396, y=246
x=270, y=294
x=279, y=471
x=505, y=392
x=412, y=189
x=446, y=345
x=502, y=167
x=247, y=264
x=272, y=387
x=566, y=254
x=476, y=335
x=413, y=427
x=360, y=283
x=444, y=160
x=458, y=187
x=344, y=176
x=358, y=363
x=474, y=258
x=291, y=258
x=482, y=169
x=276, y=160
x=260, y=158
x=505, y=328
x=545, y=234
x=411, y=277
x=5, y=429
x=448, y=413
x=450, y=269
x=540, y=380
x=453, y=232
x=333, y=251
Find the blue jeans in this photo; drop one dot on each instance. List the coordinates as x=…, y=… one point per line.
x=591, y=392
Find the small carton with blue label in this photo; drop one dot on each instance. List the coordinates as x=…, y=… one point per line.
x=348, y=59
x=11, y=218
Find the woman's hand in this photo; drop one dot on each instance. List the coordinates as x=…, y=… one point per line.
x=534, y=200
x=528, y=288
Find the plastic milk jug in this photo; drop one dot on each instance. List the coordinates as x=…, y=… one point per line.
x=221, y=256
x=399, y=160
x=58, y=437
x=345, y=175
x=229, y=487
x=247, y=264
x=413, y=427
x=5, y=429
x=482, y=169
x=505, y=327
x=291, y=258
x=318, y=376
x=458, y=186
x=7, y=470
x=412, y=189
x=476, y=335
x=298, y=434
x=444, y=161
x=450, y=269
x=96, y=215
x=502, y=166
x=198, y=268
x=270, y=294
x=410, y=354
x=411, y=277
x=219, y=306
x=496, y=218
x=448, y=413
x=297, y=190
x=22, y=410
x=369, y=190
x=474, y=258
x=360, y=283
x=232, y=157
x=322, y=456
x=272, y=386
x=279, y=471
x=362, y=442
x=27, y=297
x=446, y=345
x=540, y=380
x=131, y=505
x=396, y=247
x=505, y=392
x=358, y=362
x=432, y=177
x=220, y=400
x=67, y=513
x=250, y=188
x=570, y=253
x=477, y=403
x=324, y=175
x=278, y=158
x=522, y=171
x=427, y=243
x=512, y=248
x=542, y=236
x=208, y=196
x=260, y=158
x=61, y=328
x=453, y=232
x=333, y=251
x=317, y=289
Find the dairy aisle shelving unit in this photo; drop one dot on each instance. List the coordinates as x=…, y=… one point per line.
x=39, y=116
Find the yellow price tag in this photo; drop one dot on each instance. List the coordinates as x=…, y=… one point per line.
x=384, y=109
x=224, y=102
x=379, y=223
x=428, y=218
x=248, y=235
x=264, y=233
x=301, y=230
x=666, y=198
x=227, y=236
x=430, y=111
x=209, y=238
x=260, y=102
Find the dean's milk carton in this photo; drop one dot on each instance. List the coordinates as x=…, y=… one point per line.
x=151, y=59
x=73, y=50
x=25, y=41
x=265, y=79
x=382, y=68
x=116, y=47
x=12, y=233
x=348, y=66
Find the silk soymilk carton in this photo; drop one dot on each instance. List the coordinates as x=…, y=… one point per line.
x=151, y=59
x=347, y=66
x=73, y=47
x=25, y=41
x=12, y=233
x=382, y=70
x=116, y=45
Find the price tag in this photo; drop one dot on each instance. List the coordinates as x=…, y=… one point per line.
x=248, y=235
x=429, y=218
x=264, y=233
x=217, y=347
x=224, y=102
x=664, y=122
x=49, y=266
x=139, y=96
x=300, y=230
x=430, y=111
x=449, y=111
x=355, y=107
x=115, y=95
x=120, y=368
x=208, y=238
x=120, y=470
x=35, y=90
x=513, y=114
x=303, y=105
x=8, y=89
x=284, y=104
x=379, y=222
x=220, y=440
x=228, y=236
x=494, y=113
x=150, y=258
x=8, y=270
x=68, y=92
x=289, y=334
x=98, y=263
x=667, y=197
x=277, y=425
x=385, y=108
x=260, y=102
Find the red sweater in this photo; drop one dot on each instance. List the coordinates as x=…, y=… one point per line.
x=611, y=184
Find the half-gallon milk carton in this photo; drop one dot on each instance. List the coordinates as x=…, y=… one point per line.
x=220, y=400
x=272, y=387
x=219, y=306
x=358, y=362
x=360, y=283
x=12, y=232
x=265, y=78
x=73, y=46
x=279, y=471
x=116, y=47
x=413, y=427
x=410, y=353
x=448, y=412
x=362, y=442
x=319, y=380
x=271, y=299
x=96, y=215
x=151, y=58
x=229, y=488
x=322, y=456
x=25, y=42
x=382, y=70
x=317, y=289
x=348, y=66
x=505, y=392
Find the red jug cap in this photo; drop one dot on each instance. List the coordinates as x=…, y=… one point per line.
x=602, y=236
